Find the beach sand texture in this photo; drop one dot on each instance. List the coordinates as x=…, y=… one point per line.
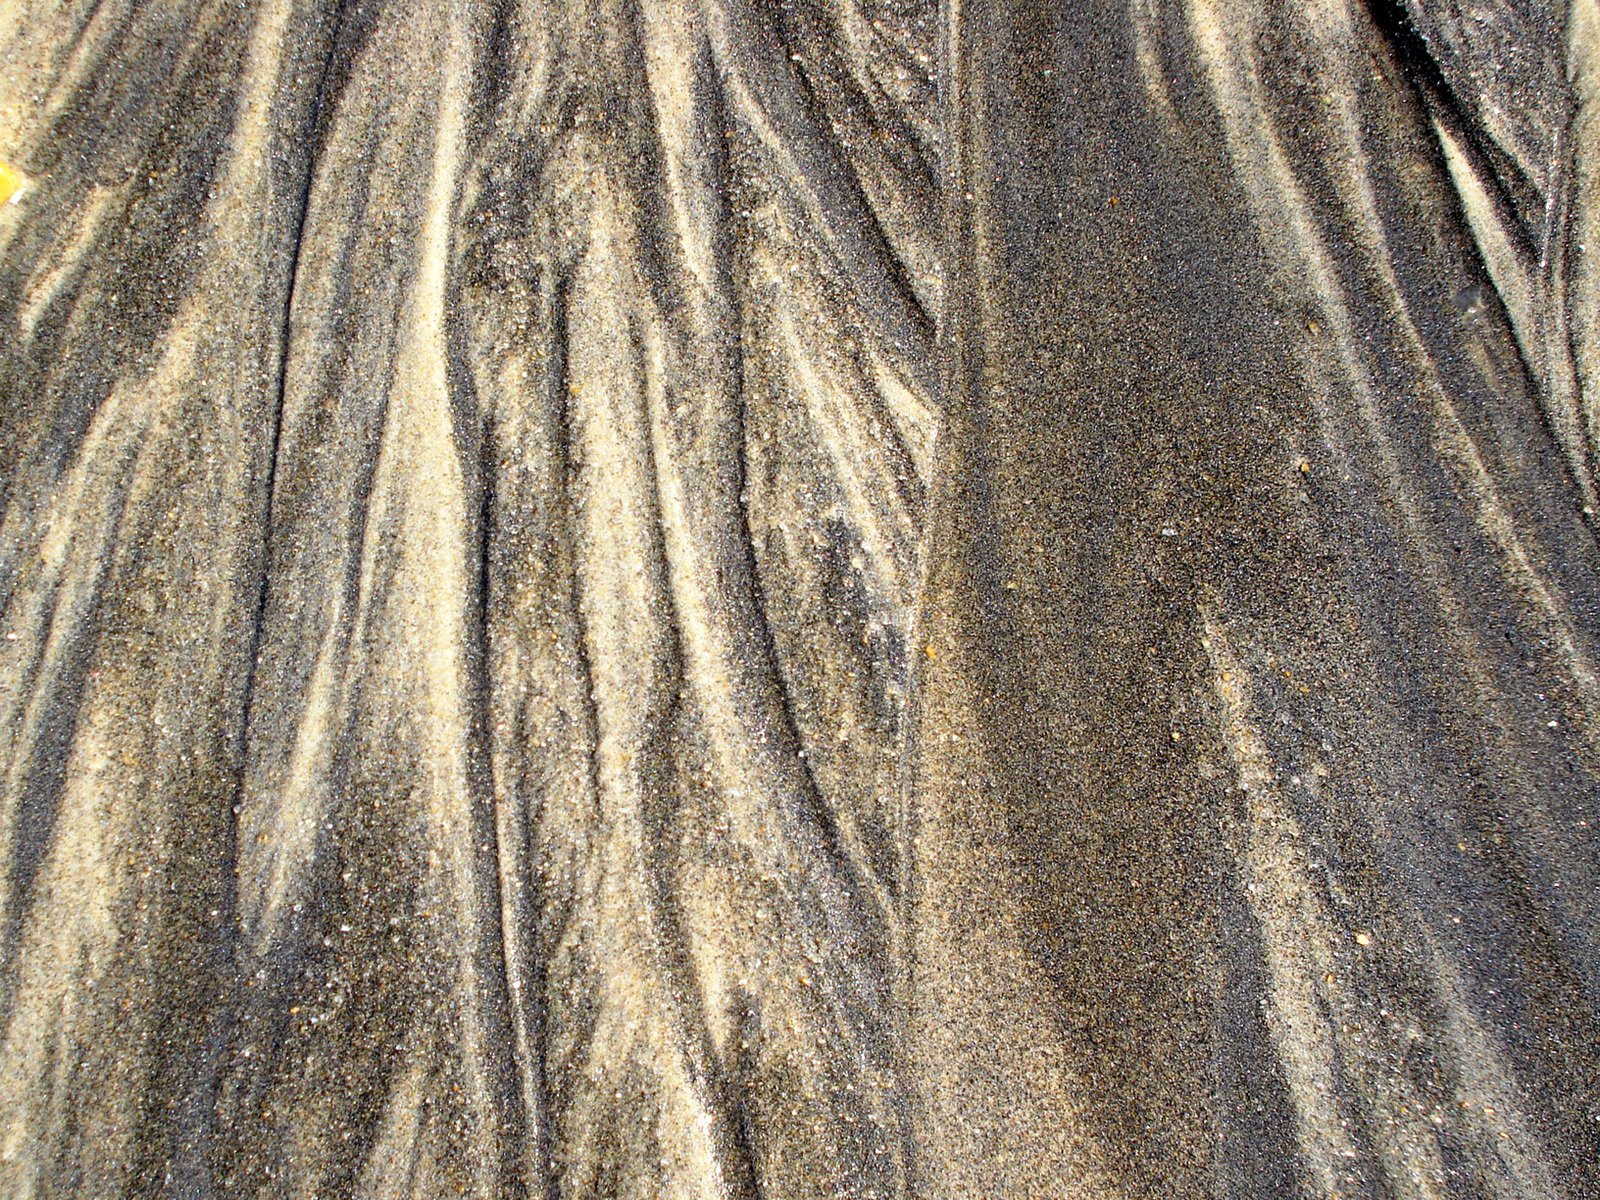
x=842, y=598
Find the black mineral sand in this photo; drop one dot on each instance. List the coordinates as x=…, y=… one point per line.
x=839, y=598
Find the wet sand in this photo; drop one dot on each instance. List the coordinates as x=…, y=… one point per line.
x=697, y=599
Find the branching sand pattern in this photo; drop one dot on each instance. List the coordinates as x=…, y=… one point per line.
x=846, y=598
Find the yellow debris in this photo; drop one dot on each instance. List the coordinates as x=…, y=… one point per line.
x=12, y=183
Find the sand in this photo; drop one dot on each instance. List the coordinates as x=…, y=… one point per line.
x=856, y=598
